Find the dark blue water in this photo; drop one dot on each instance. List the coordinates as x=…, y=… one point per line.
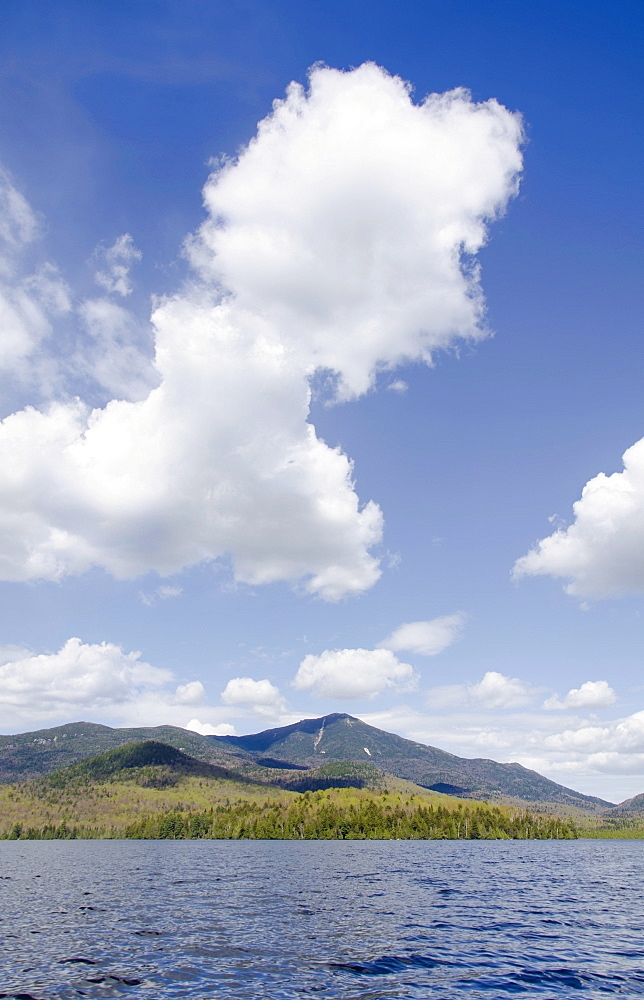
x=350, y=920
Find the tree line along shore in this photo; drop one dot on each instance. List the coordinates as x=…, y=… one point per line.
x=334, y=814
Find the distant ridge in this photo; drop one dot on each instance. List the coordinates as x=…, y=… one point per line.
x=341, y=737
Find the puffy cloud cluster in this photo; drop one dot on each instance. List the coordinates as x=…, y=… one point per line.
x=428, y=638
x=602, y=551
x=334, y=241
x=354, y=673
x=29, y=298
x=591, y=694
x=218, y=458
x=103, y=682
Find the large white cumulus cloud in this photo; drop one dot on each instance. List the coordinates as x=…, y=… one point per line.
x=345, y=220
x=333, y=241
x=602, y=551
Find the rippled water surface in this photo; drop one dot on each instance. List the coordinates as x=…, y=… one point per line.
x=368, y=920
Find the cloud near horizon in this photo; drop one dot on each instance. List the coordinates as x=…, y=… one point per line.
x=206, y=729
x=339, y=239
x=603, y=758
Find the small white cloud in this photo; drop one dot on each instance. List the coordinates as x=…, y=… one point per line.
x=163, y=593
x=398, y=386
x=117, y=261
x=602, y=551
x=205, y=729
x=354, y=673
x=262, y=696
x=426, y=637
x=591, y=694
x=192, y=693
x=494, y=690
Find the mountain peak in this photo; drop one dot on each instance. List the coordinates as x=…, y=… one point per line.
x=342, y=737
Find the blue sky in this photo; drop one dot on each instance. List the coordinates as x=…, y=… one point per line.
x=174, y=545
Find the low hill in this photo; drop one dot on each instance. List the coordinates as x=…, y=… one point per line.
x=31, y=755
x=341, y=737
x=634, y=806
x=144, y=759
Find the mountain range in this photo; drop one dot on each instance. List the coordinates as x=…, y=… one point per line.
x=283, y=756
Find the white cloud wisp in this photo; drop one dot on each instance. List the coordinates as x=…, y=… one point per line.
x=494, y=691
x=427, y=638
x=30, y=299
x=116, y=262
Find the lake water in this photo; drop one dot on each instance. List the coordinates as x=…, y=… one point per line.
x=351, y=920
